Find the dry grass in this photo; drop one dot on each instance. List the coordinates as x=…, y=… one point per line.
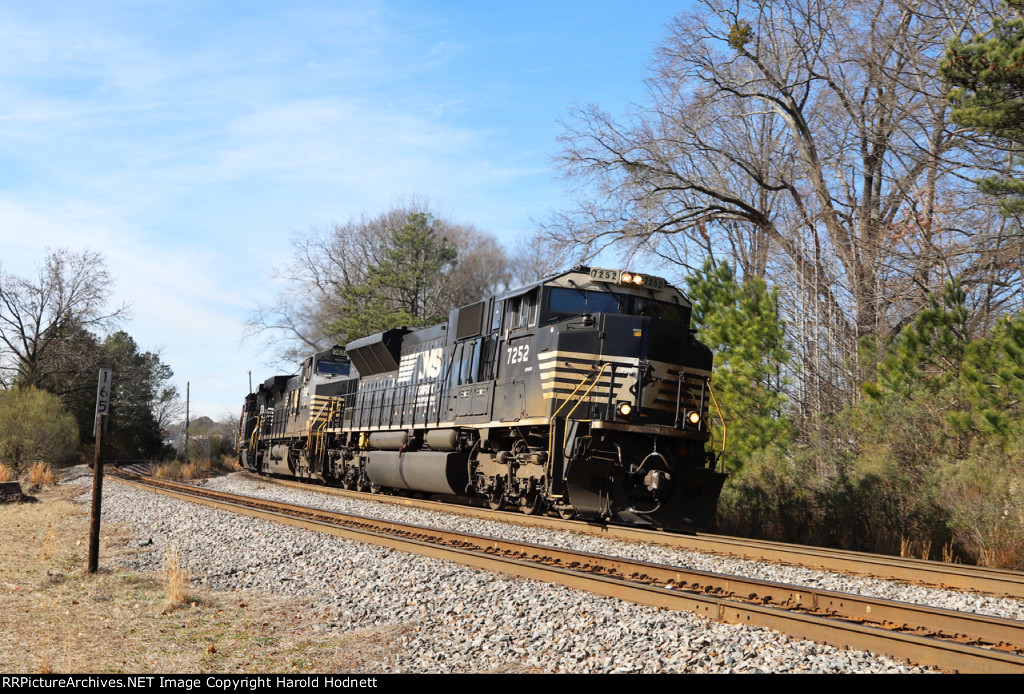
x=182, y=472
x=177, y=579
x=5, y=473
x=58, y=618
x=49, y=545
x=39, y=474
x=912, y=549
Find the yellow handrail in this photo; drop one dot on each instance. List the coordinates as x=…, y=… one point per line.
x=565, y=437
x=309, y=437
x=551, y=435
x=321, y=442
x=725, y=429
x=255, y=432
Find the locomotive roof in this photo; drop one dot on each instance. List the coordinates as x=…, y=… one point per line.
x=579, y=277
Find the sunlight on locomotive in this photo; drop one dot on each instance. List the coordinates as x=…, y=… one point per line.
x=564, y=397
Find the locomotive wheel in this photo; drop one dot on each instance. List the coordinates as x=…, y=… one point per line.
x=495, y=501
x=566, y=512
x=531, y=503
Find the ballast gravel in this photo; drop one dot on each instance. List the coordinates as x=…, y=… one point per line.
x=449, y=618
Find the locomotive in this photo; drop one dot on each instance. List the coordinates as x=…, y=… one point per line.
x=585, y=394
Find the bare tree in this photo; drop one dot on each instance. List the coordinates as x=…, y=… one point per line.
x=42, y=317
x=808, y=142
x=536, y=256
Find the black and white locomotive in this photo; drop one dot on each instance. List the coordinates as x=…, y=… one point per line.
x=585, y=394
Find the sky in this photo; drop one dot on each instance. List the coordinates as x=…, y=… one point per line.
x=189, y=141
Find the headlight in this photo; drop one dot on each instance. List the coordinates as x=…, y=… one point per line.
x=623, y=408
x=693, y=417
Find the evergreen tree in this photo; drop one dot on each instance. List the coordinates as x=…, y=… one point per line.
x=930, y=352
x=740, y=322
x=139, y=384
x=988, y=96
x=974, y=387
x=141, y=388
x=993, y=380
x=412, y=267
x=404, y=287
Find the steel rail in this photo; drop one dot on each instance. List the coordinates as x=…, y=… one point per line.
x=838, y=619
x=945, y=575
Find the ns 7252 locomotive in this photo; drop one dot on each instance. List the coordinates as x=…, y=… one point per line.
x=585, y=394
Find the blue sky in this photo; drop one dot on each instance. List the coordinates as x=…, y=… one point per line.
x=187, y=141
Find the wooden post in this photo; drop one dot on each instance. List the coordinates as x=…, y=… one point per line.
x=102, y=407
x=97, y=498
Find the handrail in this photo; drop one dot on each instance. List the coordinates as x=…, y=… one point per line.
x=551, y=434
x=565, y=438
x=309, y=437
x=255, y=435
x=725, y=429
x=323, y=425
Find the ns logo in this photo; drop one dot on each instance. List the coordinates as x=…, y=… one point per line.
x=422, y=366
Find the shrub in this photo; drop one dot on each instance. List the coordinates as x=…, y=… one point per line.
x=984, y=498
x=35, y=426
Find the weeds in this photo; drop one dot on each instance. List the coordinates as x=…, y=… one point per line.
x=180, y=472
x=39, y=474
x=177, y=579
x=49, y=544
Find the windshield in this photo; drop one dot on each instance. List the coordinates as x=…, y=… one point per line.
x=581, y=301
x=330, y=367
x=577, y=301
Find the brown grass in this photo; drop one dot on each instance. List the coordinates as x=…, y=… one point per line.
x=5, y=473
x=182, y=472
x=39, y=474
x=189, y=471
x=49, y=545
x=177, y=579
x=58, y=618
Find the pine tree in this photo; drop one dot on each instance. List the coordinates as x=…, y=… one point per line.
x=929, y=353
x=974, y=386
x=988, y=96
x=993, y=380
x=740, y=322
x=411, y=269
x=403, y=287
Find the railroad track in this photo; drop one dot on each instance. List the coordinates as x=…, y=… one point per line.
x=944, y=639
x=922, y=572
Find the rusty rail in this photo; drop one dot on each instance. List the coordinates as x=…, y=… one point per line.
x=939, y=638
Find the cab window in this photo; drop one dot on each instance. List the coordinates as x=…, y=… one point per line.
x=334, y=368
x=576, y=301
x=521, y=311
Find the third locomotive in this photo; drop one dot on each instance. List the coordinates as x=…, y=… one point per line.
x=585, y=394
